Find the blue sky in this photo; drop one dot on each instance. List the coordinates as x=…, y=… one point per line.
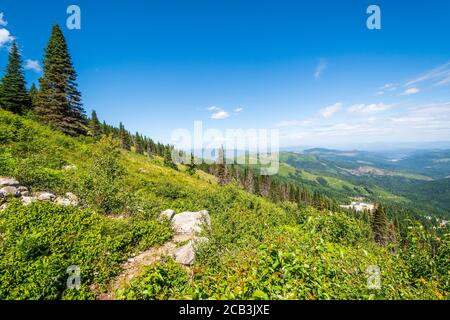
x=312, y=69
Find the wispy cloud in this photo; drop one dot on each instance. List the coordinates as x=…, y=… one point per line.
x=3, y=22
x=33, y=65
x=407, y=123
x=219, y=115
x=292, y=123
x=238, y=110
x=213, y=108
x=410, y=91
x=369, y=108
x=386, y=88
x=437, y=76
x=330, y=110
x=320, y=68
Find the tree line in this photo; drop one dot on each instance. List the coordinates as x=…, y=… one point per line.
x=58, y=102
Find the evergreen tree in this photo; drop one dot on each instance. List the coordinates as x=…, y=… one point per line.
x=380, y=225
x=192, y=167
x=33, y=95
x=94, y=126
x=221, y=168
x=168, y=162
x=59, y=101
x=14, y=96
x=124, y=137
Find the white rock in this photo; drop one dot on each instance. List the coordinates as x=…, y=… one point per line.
x=73, y=198
x=69, y=200
x=3, y=207
x=69, y=167
x=28, y=200
x=186, y=254
x=9, y=191
x=45, y=196
x=63, y=202
x=191, y=223
x=168, y=214
x=8, y=182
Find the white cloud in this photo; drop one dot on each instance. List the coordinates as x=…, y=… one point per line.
x=219, y=115
x=321, y=67
x=330, y=110
x=240, y=109
x=386, y=88
x=292, y=123
x=3, y=22
x=213, y=108
x=439, y=76
x=33, y=65
x=369, y=108
x=5, y=37
x=410, y=91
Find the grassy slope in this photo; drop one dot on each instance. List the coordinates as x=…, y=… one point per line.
x=257, y=249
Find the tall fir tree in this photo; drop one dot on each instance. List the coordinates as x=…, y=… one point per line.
x=14, y=96
x=168, y=162
x=33, y=95
x=380, y=225
x=192, y=167
x=94, y=126
x=59, y=101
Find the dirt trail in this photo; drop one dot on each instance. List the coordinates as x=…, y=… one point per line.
x=133, y=266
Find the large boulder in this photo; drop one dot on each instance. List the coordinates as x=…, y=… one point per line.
x=23, y=191
x=45, y=196
x=168, y=214
x=191, y=223
x=186, y=254
x=8, y=182
x=9, y=191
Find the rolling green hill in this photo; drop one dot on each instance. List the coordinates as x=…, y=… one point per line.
x=256, y=249
x=344, y=175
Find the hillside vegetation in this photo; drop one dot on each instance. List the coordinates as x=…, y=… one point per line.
x=257, y=249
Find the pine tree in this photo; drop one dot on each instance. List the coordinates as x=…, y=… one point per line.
x=192, y=167
x=33, y=95
x=380, y=225
x=59, y=101
x=94, y=126
x=221, y=168
x=168, y=162
x=124, y=137
x=14, y=96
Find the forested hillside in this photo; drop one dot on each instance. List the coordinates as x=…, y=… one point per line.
x=268, y=239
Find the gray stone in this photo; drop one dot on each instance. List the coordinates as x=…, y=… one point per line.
x=23, y=191
x=28, y=200
x=63, y=202
x=9, y=191
x=73, y=199
x=186, y=254
x=191, y=223
x=45, y=196
x=69, y=200
x=8, y=182
x=69, y=167
x=3, y=207
x=168, y=214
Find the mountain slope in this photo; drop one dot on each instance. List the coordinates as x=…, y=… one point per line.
x=256, y=249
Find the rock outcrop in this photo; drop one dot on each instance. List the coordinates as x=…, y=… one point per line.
x=10, y=187
x=188, y=227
